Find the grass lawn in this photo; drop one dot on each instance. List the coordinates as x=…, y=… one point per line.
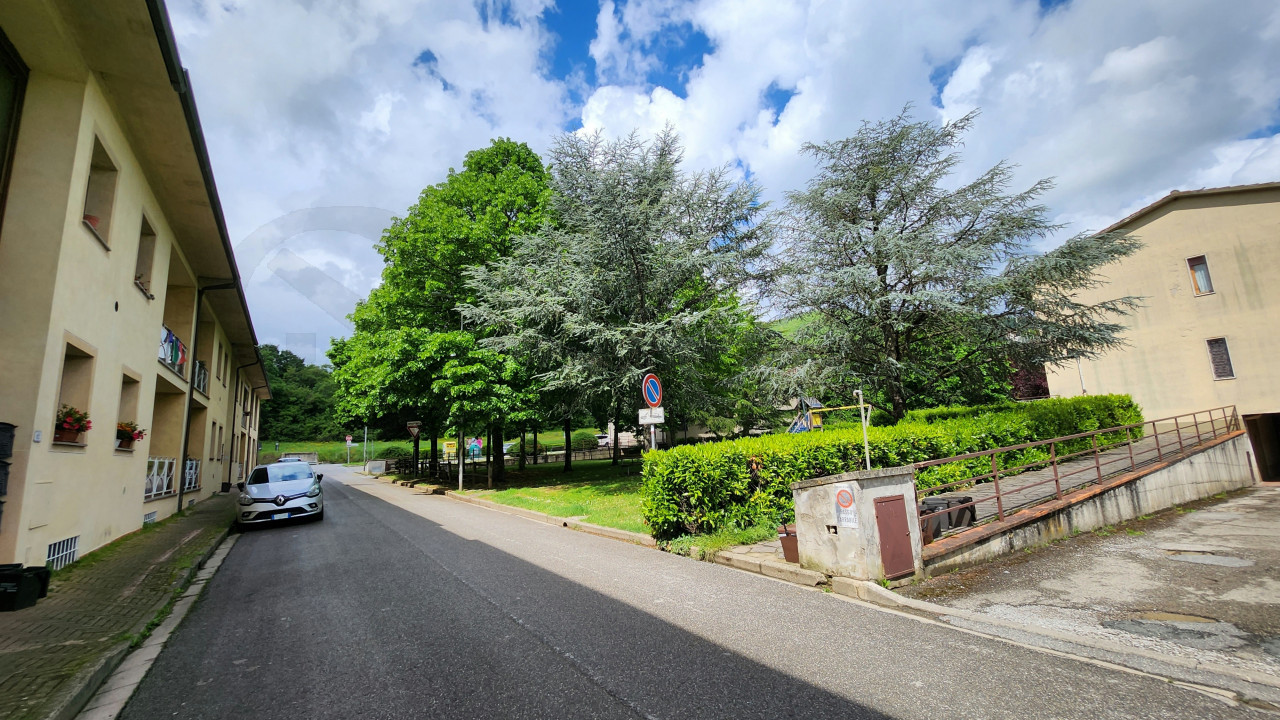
x=596, y=491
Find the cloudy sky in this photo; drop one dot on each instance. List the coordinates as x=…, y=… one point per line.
x=326, y=117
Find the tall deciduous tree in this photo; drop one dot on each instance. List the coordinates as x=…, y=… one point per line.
x=301, y=406
x=407, y=333
x=907, y=278
x=637, y=274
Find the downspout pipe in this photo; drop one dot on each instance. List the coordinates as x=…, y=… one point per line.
x=191, y=384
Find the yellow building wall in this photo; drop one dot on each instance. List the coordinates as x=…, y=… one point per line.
x=1166, y=367
x=71, y=287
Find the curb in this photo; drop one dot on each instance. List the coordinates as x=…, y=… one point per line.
x=571, y=523
x=771, y=568
x=85, y=683
x=1248, y=685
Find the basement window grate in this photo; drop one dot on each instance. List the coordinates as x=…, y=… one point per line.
x=149, y=518
x=62, y=553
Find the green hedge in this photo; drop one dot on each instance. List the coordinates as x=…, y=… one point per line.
x=695, y=489
x=952, y=412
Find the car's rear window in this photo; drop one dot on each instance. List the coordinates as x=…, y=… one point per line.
x=280, y=473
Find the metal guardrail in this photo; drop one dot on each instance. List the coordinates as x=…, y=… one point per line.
x=191, y=476
x=159, y=477
x=1108, y=453
x=173, y=352
x=201, y=378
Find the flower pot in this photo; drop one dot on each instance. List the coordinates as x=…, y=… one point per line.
x=64, y=435
x=93, y=220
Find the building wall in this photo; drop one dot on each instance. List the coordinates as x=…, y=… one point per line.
x=64, y=287
x=1167, y=368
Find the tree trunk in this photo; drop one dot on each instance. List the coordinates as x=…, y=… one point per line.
x=435, y=457
x=520, y=462
x=535, y=443
x=617, y=420
x=488, y=454
x=500, y=472
x=568, y=448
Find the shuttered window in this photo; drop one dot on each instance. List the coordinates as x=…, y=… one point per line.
x=1220, y=358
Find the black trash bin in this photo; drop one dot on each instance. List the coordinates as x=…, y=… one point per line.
x=965, y=516
x=41, y=574
x=928, y=525
x=6, y=439
x=18, y=589
x=935, y=504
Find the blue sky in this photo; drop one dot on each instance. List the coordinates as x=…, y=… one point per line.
x=313, y=106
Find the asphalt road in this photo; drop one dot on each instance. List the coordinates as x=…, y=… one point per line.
x=427, y=607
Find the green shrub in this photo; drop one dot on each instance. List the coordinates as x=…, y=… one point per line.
x=698, y=489
x=395, y=452
x=584, y=440
x=952, y=412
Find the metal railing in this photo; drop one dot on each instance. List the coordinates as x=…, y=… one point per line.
x=159, y=477
x=191, y=476
x=1029, y=474
x=173, y=352
x=201, y=378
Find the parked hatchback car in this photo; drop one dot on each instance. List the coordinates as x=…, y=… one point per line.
x=281, y=491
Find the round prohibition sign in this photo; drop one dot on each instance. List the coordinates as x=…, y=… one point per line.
x=652, y=389
x=844, y=499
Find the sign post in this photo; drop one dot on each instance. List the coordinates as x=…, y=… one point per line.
x=651, y=388
x=349, y=449
x=415, y=426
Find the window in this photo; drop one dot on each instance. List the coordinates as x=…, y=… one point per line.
x=226, y=365
x=100, y=196
x=213, y=438
x=128, y=412
x=221, y=454
x=75, y=390
x=1200, y=279
x=13, y=85
x=1220, y=359
x=146, y=256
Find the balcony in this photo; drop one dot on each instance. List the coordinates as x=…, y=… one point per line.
x=173, y=352
x=191, y=476
x=159, y=477
x=201, y=378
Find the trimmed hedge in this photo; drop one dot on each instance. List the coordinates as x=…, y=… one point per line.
x=694, y=489
x=584, y=440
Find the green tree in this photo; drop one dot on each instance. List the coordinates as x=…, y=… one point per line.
x=302, y=401
x=407, y=331
x=637, y=274
x=910, y=282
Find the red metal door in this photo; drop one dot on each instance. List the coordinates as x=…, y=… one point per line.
x=895, y=537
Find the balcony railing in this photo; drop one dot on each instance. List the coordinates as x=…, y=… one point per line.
x=191, y=476
x=159, y=477
x=201, y=378
x=173, y=352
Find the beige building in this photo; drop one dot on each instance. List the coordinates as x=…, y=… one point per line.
x=119, y=295
x=1209, y=332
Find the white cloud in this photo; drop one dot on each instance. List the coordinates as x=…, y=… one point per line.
x=319, y=102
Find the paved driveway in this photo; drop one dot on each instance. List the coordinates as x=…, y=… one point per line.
x=1200, y=582
x=407, y=605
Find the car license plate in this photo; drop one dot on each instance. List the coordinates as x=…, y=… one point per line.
x=280, y=516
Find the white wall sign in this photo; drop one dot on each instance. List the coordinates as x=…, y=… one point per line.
x=846, y=511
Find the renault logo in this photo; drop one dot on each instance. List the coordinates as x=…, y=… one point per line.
x=279, y=500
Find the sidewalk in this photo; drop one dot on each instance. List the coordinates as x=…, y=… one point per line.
x=54, y=654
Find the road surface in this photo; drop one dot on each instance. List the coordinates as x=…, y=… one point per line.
x=400, y=605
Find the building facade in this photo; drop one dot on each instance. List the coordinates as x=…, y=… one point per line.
x=1208, y=334
x=119, y=293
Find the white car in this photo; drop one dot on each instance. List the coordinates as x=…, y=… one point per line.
x=602, y=440
x=280, y=491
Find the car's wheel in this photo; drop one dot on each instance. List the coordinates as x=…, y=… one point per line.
x=320, y=515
